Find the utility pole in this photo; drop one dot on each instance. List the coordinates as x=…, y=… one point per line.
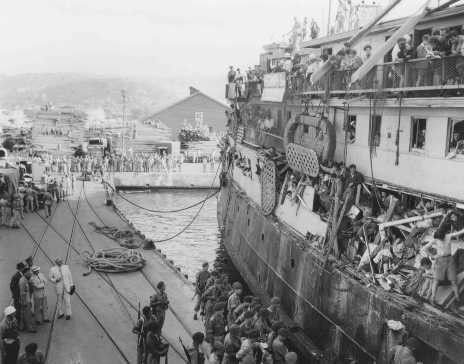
x=123, y=95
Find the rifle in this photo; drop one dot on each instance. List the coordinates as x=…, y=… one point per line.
x=139, y=334
x=189, y=360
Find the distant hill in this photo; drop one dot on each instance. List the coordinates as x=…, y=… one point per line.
x=84, y=91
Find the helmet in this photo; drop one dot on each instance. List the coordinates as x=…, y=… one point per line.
x=237, y=285
x=9, y=310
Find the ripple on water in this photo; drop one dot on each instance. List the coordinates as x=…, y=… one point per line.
x=197, y=244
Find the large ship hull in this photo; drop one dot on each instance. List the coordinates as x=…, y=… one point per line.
x=343, y=316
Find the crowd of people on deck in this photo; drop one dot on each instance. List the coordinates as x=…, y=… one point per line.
x=420, y=55
x=239, y=328
x=28, y=311
x=412, y=257
x=239, y=81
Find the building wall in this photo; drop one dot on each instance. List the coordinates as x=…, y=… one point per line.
x=213, y=114
x=426, y=170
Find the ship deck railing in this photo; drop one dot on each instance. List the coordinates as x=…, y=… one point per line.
x=243, y=90
x=422, y=74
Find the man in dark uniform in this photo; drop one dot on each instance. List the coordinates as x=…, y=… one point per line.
x=14, y=287
x=194, y=352
x=140, y=330
x=216, y=325
x=200, y=286
x=160, y=302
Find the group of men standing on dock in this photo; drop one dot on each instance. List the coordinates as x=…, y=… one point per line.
x=238, y=327
x=29, y=302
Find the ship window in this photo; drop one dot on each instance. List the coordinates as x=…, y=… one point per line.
x=292, y=263
x=375, y=127
x=289, y=115
x=418, y=128
x=351, y=129
x=455, y=138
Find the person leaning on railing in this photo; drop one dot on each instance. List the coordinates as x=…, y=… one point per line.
x=401, y=54
x=457, y=49
x=425, y=51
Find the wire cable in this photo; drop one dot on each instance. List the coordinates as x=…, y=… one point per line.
x=110, y=284
x=143, y=273
x=35, y=249
x=121, y=297
x=167, y=211
x=35, y=242
x=185, y=227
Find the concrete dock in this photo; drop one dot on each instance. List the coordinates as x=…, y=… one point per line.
x=192, y=175
x=101, y=324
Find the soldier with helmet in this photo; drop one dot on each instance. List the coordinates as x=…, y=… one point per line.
x=235, y=299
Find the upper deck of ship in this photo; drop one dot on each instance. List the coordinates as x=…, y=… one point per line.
x=390, y=75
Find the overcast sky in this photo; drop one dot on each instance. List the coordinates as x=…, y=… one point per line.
x=190, y=40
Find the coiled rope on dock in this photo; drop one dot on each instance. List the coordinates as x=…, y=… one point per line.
x=115, y=260
x=125, y=238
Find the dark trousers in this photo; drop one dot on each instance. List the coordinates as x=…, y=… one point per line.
x=11, y=353
x=17, y=305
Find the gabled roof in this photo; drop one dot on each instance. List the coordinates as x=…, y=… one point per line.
x=192, y=95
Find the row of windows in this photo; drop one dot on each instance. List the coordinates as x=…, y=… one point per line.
x=418, y=141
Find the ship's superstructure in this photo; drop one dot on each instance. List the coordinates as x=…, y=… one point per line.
x=353, y=142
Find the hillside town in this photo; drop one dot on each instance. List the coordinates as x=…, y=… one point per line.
x=313, y=213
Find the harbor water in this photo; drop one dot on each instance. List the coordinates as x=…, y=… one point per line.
x=200, y=242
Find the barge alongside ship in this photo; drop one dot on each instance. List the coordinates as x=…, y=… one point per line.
x=403, y=136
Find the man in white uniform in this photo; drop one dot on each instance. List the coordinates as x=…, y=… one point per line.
x=61, y=275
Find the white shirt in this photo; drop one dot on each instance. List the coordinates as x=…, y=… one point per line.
x=62, y=277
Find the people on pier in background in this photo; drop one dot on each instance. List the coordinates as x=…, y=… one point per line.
x=61, y=276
